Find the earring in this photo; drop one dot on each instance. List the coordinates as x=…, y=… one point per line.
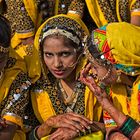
x=118, y=77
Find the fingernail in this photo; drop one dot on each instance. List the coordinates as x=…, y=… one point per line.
x=77, y=131
x=91, y=122
x=88, y=127
x=83, y=130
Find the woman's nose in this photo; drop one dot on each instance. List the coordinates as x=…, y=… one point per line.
x=57, y=62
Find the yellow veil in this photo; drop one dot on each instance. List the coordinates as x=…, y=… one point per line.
x=121, y=43
x=42, y=101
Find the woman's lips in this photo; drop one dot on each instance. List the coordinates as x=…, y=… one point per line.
x=58, y=72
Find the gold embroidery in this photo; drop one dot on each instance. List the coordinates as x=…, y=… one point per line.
x=4, y=50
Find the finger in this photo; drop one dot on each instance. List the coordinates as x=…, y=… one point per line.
x=82, y=120
x=85, y=80
x=82, y=76
x=85, y=71
x=80, y=116
x=68, y=123
x=87, y=68
x=55, y=135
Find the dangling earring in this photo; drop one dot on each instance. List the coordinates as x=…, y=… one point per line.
x=118, y=77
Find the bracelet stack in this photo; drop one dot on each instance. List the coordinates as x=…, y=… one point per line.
x=129, y=127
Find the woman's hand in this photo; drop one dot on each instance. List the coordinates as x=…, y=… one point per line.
x=70, y=121
x=28, y=41
x=63, y=134
x=89, y=81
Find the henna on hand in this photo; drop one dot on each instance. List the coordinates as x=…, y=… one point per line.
x=70, y=121
x=63, y=134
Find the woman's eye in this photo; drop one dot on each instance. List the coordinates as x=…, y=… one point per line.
x=48, y=54
x=65, y=54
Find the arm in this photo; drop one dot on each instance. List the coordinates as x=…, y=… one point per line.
x=135, y=13
x=117, y=116
x=70, y=121
x=135, y=20
x=54, y=125
x=14, y=105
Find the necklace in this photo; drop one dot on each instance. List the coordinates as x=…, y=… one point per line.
x=70, y=101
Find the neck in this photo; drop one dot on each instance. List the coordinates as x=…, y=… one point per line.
x=71, y=78
x=68, y=84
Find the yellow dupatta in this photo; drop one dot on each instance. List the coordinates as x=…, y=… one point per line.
x=31, y=8
x=127, y=52
x=42, y=104
x=99, y=17
x=10, y=74
x=5, y=84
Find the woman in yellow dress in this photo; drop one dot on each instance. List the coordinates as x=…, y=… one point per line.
x=63, y=106
x=14, y=87
x=113, y=74
x=106, y=11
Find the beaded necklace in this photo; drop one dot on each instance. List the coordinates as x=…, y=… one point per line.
x=70, y=101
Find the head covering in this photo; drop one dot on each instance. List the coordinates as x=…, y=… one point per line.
x=70, y=26
x=112, y=45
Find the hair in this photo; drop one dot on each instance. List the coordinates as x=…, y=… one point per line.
x=5, y=32
x=68, y=42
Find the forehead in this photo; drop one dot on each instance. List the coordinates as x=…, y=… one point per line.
x=56, y=44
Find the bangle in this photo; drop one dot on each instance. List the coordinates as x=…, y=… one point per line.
x=129, y=127
x=118, y=77
x=112, y=132
x=33, y=134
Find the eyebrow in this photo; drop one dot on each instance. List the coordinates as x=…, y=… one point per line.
x=59, y=52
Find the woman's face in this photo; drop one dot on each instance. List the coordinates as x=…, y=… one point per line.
x=59, y=58
x=101, y=71
x=3, y=60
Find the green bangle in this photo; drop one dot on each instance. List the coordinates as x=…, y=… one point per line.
x=33, y=134
x=129, y=127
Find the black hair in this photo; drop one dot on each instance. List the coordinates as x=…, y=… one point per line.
x=5, y=32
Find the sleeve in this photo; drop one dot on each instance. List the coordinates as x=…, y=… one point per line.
x=15, y=103
x=135, y=8
x=24, y=22
x=108, y=121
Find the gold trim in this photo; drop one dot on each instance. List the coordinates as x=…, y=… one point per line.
x=65, y=33
x=4, y=50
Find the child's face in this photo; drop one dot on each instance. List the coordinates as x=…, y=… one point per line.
x=100, y=71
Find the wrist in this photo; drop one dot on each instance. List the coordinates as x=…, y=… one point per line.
x=43, y=130
x=105, y=103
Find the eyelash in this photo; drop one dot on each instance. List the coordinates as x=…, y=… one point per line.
x=63, y=54
x=48, y=54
